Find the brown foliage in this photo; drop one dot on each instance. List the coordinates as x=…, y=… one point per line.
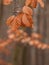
x=27, y=2
x=24, y=19
x=36, y=36
x=10, y=19
x=14, y=22
x=27, y=10
x=34, y=3
x=27, y=21
x=7, y=2
x=41, y=3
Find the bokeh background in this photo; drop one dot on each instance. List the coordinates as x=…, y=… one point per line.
x=26, y=55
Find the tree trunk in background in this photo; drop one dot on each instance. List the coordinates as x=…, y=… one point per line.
x=41, y=18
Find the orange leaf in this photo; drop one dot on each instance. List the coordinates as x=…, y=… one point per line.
x=41, y=3
x=30, y=19
x=27, y=10
x=16, y=22
x=34, y=3
x=28, y=2
x=14, y=25
x=7, y=2
x=10, y=19
x=26, y=21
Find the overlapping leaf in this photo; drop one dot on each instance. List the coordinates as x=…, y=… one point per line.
x=10, y=19
x=28, y=2
x=34, y=3
x=41, y=3
x=27, y=10
x=27, y=21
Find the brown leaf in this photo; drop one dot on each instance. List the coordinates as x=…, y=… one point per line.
x=27, y=2
x=39, y=45
x=11, y=36
x=10, y=19
x=30, y=19
x=27, y=10
x=34, y=3
x=36, y=36
x=16, y=22
x=44, y=46
x=14, y=25
x=19, y=18
x=26, y=21
x=41, y=3
x=7, y=2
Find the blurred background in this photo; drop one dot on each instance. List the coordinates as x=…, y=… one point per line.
x=23, y=54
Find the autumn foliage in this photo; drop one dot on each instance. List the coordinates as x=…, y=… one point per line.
x=15, y=34
x=23, y=19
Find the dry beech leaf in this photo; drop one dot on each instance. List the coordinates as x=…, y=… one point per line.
x=26, y=21
x=10, y=19
x=16, y=22
x=7, y=2
x=36, y=35
x=36, y=42
x=28, y=2
x=27, y=10
x=44, y=46
x=34, y=3
x=31, y=42
x=14, y=25
x=39, y=45
x=41, y=3
x=19, y=18
x=30, y=19
x=11, y=36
